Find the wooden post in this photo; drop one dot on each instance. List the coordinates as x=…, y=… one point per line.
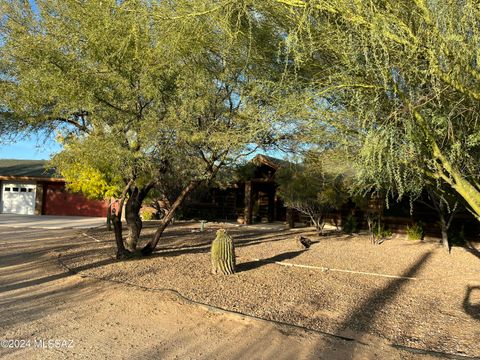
x=290, y=219
x=271, y=206
x=275, y=207
x=248, y=202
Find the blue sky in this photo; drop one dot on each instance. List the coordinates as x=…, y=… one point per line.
x=36, y=147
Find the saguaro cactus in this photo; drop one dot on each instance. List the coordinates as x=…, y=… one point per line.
x=223, y=254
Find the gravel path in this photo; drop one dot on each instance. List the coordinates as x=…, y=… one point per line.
x=438, y=310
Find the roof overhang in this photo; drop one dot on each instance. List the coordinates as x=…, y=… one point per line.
x=30, y=178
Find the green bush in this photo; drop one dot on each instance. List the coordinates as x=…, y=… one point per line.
x=416, y=231
x=380, y=231
x=147, y=216
x=349, y=224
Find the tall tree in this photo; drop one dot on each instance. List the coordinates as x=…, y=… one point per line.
x=95, y=73
x=400, y=81
x=316, y=187
x=142, y=92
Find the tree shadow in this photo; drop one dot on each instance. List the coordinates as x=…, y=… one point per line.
x=53, y=277
x=167, y=250
x=472, y=249
x=363, y=317
x=470, y=308
x=277, y=258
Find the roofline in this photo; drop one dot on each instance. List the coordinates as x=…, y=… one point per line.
x=263, y=159
x=31, y=178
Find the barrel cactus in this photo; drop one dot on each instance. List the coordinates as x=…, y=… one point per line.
x=223, y=254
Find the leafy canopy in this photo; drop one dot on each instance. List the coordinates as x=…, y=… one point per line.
x=397, y=84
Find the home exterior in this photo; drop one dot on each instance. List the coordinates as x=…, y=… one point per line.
x=28, y=187
x=253, y=199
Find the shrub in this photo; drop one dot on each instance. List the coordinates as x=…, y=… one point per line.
x=380, y=231
x=349, y=224
x=147, y=216
x=416, y=231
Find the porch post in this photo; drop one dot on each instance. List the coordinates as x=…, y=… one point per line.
x=248, y=202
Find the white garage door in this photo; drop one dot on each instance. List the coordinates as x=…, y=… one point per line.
x=18, y=199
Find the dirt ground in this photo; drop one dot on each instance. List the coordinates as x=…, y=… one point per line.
x=410, y=294
x=121, y=310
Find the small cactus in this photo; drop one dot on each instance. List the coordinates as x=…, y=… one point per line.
x=223, y=254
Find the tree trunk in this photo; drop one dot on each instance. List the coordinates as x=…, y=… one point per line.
x=444, y=224
x=290, y=218
x=442, y=207
x=122, y=253
x=132, y=214
x=319, y=224
x=117, y=225
x=150, y=247
x=444, y=229
x=134, y=221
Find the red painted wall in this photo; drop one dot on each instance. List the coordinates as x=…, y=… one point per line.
x=58, y=201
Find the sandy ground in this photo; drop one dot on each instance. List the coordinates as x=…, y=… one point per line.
x=48, y=313
x=407, y=293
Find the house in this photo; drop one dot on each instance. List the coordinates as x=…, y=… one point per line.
x=251, y=199
x=28, y=187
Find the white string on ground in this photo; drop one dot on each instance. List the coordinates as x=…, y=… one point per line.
x=326, y=269
x=91, y=237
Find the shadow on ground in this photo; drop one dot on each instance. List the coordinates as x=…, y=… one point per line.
x=471, y=308
x=258, y=263
x=367, y=312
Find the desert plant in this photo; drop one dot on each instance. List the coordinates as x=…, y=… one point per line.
x=314, y=188
x=147, y=215
x=416, y=231
x=349, y=224
x=381, y=231
x=378, y=231
x=223, y=254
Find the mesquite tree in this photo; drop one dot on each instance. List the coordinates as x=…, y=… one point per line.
x=399, y=81
x=142, y=93
x=445, y=205
x=314, y=187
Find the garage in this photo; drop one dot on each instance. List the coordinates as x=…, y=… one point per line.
x=31, y=187
x=18, y=198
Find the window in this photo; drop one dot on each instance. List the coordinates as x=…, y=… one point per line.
x=30, y=190
x=23, y=189
x=15, y=189
x=7, y=189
